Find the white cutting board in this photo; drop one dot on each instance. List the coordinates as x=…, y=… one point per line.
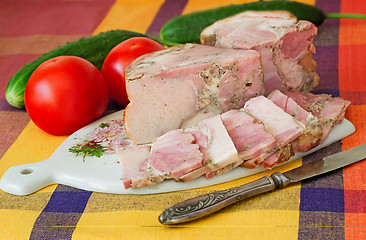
x=104, y=174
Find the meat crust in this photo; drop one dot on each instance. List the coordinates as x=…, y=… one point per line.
x=285, y=44
x=182, y=85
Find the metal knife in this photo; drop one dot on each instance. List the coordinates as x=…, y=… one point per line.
x=206, y=204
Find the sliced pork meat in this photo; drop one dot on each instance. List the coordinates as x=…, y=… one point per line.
x=285, y=44
x=135, y=170
x=277, y=122
x=202, y=141
x=221, y=151
x=182, y=85
x=170, y=156
x=175, y=153
x=280, y=156
x=328, y=110
x=313, y=131
x=266, y=132
x=249, y=137
x=181, y=155
x=281, y=125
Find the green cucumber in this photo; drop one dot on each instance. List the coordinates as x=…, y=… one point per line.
x=187, y=28
x=94, y=49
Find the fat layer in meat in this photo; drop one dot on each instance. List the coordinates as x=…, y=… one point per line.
x=285, y=44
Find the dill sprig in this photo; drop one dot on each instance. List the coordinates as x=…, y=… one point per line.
x=88, y=148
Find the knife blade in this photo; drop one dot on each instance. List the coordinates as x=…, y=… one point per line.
x=206, y=204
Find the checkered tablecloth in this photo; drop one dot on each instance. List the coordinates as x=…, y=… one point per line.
x=332, y=206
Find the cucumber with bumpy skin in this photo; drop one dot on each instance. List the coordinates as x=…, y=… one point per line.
x=94, y=49
x=187, y=28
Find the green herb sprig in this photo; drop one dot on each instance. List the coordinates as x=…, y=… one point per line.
x=88, y=148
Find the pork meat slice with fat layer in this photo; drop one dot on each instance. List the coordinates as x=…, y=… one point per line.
x=175, y=153
x=221, y=149
x=170, y=156
x=249, y=136
x=181, y=155
x=179, y=86
x=285, y=44
x=313, y=131
x=221, y=154
x=327, y=109
x=281, y=125
x=135, y=170
x=265, y=132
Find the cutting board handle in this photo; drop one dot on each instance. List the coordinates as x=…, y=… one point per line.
x=27, y=178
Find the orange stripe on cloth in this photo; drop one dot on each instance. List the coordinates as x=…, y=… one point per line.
x=356, y=115
x=354, y=176
x=355, y=228
x=127, y=15
x=352, y=74
x=352, y=46
x=352, y=31
x=352, y=70
x=196, y=5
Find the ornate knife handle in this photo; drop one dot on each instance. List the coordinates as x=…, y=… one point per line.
x=206, y=204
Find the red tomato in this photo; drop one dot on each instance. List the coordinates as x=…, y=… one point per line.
x=118, y=59
x=64, y=94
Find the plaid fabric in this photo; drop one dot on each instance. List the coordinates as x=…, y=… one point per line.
x=327, y=207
